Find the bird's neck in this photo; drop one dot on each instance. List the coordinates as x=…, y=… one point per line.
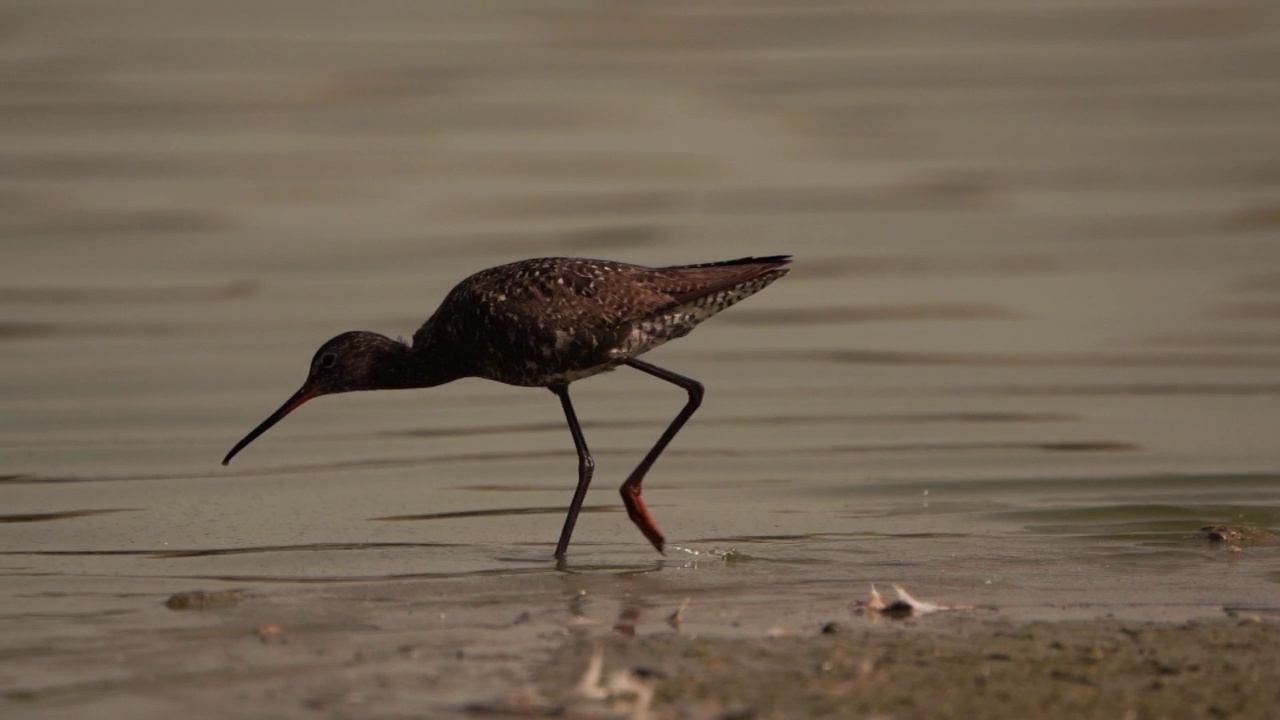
x=399, y=367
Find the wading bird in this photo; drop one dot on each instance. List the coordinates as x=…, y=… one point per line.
x=546, y=322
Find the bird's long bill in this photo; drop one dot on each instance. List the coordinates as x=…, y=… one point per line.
x=306, y=393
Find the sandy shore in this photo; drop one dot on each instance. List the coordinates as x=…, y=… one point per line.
x=953, y=668
x=979, y=669
x=970, y=663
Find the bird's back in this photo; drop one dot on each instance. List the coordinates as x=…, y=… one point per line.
x=548, y=320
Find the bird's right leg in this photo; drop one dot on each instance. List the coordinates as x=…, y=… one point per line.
x=636, y=509
x=586, y=466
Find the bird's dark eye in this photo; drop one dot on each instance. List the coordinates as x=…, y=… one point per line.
x=328, y=360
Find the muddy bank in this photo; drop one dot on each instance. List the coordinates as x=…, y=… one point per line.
x=966, y=667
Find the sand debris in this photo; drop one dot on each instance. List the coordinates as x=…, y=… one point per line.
x=270, y=632
x=862, y=675
x=1233, y=537
x=629, y=691
x=905, y=606
x=675, y=618
x=621, y=694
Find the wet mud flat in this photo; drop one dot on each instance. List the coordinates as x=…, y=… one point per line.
x=386, y=653
x=934, y=668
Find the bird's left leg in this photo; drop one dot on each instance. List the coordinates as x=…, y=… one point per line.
x=586, y=467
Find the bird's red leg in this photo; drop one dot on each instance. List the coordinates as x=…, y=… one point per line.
x=630, y=490
x=639, y=514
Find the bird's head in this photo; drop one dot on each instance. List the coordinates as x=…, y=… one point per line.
x=351, y=361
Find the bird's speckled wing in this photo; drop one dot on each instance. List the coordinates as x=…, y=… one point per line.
x=556, y=319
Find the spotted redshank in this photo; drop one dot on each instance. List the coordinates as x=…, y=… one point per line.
x=546, y=322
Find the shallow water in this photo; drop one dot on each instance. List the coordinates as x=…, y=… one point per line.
x=1031, y=342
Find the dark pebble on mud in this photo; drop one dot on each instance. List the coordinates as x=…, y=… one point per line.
x=202, y=599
